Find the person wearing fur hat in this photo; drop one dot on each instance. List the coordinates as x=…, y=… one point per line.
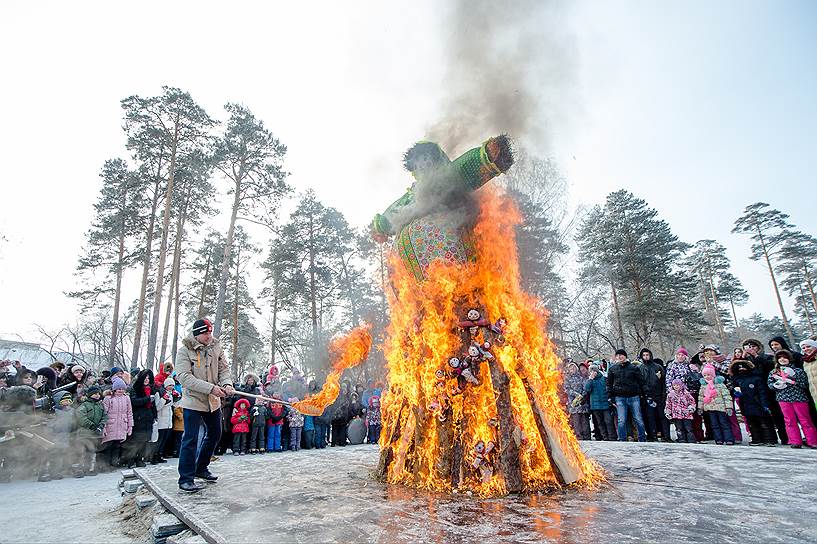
x=91, y=419
x=241, y=426
x=595, y=389
x=202, y=369
x=679, y=408
x=714, y=399
x=752, y=396
x=119, y=423
x=809, y=348
x=144, y=415
x=76, y=374
x=790, y=386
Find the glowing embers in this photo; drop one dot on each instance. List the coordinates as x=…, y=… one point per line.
x=469, y=362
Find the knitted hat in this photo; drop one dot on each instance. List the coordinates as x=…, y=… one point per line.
x=683, y=351
x=621, y=352
x=808, y=343
x=594, y=367
x=59, y=395
x=169, y=382
x=712, y=347
x=202, y=326
x=677, y=381
x=708, y=370
x=115, y=370
x=94, y=389
x=118, y=383
x=77, y=367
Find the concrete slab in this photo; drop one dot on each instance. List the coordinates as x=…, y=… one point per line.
x=660, y=493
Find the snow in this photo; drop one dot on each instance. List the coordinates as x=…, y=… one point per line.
x=658, y=492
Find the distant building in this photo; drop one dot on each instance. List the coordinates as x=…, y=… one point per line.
x=34, y=356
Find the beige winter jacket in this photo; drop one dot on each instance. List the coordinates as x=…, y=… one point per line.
x=198, y=369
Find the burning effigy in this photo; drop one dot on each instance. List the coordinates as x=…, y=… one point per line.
x=472, y=401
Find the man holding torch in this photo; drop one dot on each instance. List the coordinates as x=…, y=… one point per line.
x=204, y=375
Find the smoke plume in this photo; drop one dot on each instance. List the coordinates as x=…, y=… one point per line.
x=510, y=68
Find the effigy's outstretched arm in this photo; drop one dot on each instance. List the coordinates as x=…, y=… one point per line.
x=479, y=165
x=381, y=226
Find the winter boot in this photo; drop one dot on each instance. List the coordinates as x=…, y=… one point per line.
x=92, y=471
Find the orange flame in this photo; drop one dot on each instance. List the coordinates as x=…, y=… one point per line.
x=345, y=352
x=425, y=451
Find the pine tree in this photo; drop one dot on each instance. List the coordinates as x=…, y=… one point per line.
x=106, y=249
x=626, y=246
x=178, y=126
x=798, y=267
x=767, y=229
x=251, y=159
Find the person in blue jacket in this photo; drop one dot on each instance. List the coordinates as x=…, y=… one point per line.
x=604, y=427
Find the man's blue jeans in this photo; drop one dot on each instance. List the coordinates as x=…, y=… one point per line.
x=191, y=464
x=633, y=406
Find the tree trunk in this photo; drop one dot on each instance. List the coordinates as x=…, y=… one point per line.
x=312, y=286
x=274, y=332
x=140, y=312
x=174, y=272
x=225, y=264
x=618, y=315
x=734, y=313
x=235, y=311
x=810, y=286
x=160, y=273
x=200, y=312
x=173, y=348
x=804, y=302
x=715, y=307
x=789, y=332
x=119, y=266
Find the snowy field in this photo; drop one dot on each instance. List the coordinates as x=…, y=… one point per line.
x=658, y=493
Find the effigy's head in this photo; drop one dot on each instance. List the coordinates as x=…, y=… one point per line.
x=424, y=157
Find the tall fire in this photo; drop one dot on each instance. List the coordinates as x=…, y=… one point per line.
x=472, y=399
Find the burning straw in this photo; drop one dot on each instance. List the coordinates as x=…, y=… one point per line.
x=346, y=352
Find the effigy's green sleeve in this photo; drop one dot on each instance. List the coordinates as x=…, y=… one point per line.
x=478, y=166
x=381, y=223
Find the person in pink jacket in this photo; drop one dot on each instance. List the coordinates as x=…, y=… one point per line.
x=120, y=422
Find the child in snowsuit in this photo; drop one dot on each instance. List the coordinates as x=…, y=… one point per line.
x=374, y=420
x=119, y=423
x=790, y=385
x=274, y=423
x=714, y=398
x=241, y=426
x=91, y=419
x=752, y=396
x=679, y=409
x=259, y=425
x=296, y=426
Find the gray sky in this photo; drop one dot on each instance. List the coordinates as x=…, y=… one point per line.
x=699, y=108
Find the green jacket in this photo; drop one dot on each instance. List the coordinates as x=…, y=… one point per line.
x=91, y=415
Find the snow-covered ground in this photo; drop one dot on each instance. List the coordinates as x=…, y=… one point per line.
x=658, y=493
x=62, y=511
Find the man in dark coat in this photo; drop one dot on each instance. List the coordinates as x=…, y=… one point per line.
x=625, y=386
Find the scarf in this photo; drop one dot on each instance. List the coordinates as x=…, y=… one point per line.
x=810, y=358
x=711, y=392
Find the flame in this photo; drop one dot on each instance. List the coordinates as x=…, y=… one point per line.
x=344, y=352
x=420, y=450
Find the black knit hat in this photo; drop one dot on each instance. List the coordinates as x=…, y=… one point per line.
x=621, y=352
x=202, y=326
